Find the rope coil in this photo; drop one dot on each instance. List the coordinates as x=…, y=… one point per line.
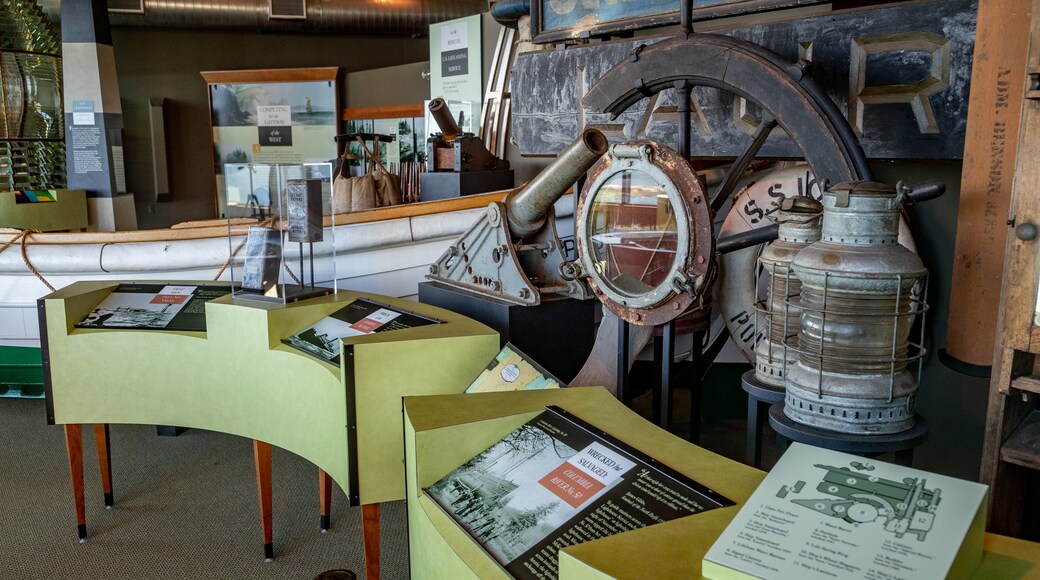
x=22, y=238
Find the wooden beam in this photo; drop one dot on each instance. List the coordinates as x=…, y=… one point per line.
x=387, y=112
x=991, y=143
x=272, y=75
x=219, y=229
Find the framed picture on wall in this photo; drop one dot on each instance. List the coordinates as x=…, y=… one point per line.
x=272, y=116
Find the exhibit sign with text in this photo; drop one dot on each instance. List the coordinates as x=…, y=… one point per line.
x=556, y=481
x=824, y=514
x=512, y=370
x=298, y=120
x=155, y=307
x=272, y=121
x=456, y=63
x=360, y=317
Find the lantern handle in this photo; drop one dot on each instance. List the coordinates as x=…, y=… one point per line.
x=922, y=191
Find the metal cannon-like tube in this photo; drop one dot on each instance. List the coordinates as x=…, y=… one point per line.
x=526, y=208
x=442, y=115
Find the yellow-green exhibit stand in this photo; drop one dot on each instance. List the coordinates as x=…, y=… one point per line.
x=238, y=378
x=67, y=211
x=443, y=432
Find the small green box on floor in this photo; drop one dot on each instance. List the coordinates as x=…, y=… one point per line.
x=21, y=372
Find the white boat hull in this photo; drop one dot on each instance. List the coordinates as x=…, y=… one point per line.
x=389, y=257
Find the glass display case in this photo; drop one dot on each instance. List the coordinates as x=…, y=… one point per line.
x=281, y=230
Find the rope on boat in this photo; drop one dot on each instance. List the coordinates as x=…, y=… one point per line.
x=22, y=238
x=266, y=223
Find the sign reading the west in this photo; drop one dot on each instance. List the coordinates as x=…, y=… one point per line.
x=900, y=74
x=275, y=125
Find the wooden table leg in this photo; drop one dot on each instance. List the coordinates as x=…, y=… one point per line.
x=262, y=454
x=74, y=444
x=325, y=499
x=370, y=529
x=104, y=452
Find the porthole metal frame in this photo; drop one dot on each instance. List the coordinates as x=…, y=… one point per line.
x=691, y=269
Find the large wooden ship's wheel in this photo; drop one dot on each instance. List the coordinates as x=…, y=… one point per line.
x=788, y=100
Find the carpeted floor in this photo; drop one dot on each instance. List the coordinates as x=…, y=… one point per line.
x=185, y=507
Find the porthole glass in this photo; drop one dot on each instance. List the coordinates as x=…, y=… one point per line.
x=632, y=233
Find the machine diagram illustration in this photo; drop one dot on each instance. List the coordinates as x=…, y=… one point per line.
x=906, y=507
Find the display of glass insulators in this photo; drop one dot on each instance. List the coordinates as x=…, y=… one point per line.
x=32, y=125
x=860, y=292
x=43, y=117
x=799, y=219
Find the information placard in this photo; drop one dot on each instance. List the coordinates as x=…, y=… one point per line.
x=155, y=307
x=362, y=316
x=821, y=514
x=555, y=482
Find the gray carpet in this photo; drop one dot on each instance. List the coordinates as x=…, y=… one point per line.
x=185, y=507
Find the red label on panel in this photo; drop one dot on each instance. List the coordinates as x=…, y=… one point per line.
x=366, y=325
x=573, y=485
x=170, y=298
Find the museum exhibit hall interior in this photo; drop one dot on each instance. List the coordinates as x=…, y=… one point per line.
x=532, y=289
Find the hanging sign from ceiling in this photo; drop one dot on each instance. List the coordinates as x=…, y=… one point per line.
x=555, y=20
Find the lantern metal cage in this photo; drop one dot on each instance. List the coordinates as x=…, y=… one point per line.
x=799, y=219
x=845, y=378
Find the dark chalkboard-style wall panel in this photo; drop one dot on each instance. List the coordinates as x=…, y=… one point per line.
x=900, y=74
x=554, y=20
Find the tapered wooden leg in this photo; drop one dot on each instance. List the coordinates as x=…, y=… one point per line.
x=370, y=531
x=325, y=499
x=262, y=454
x=104, y=453
x=74, y=444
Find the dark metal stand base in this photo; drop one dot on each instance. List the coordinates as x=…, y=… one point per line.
x=901, y=444
x=760, y=397
x=168, y=431
x=557, y=334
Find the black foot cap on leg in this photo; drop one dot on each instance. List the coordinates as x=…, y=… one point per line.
x=109, y=502
x=81, y=530
x=325, y=523
x=268, y=552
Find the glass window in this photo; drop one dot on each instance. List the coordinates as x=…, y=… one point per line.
x=632, y=233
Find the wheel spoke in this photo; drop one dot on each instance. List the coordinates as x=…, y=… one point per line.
x=736, y=171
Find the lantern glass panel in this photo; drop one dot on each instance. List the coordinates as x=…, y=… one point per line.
x=632, y=233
